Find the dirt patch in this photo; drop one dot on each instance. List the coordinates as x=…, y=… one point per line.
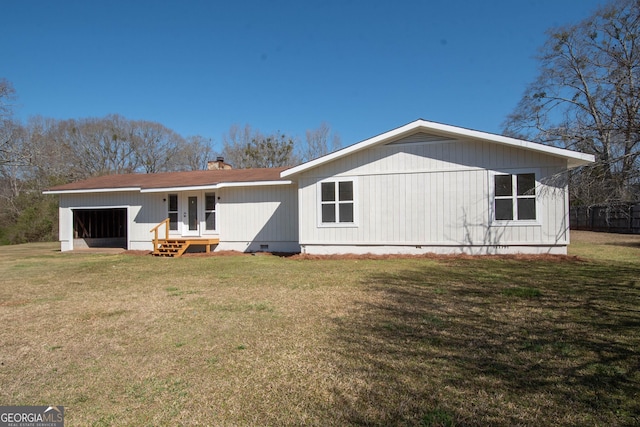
x=544, y=257
x=294, y=256
x=14, y=303
x=139, y=253
x=577, y=236
x=214, y=253
x=98, y=251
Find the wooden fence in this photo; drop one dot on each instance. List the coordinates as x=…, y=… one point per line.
x=611, y=219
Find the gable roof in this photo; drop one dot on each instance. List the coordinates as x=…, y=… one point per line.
x=213, y=179
x=173, y=181
x=574, y=158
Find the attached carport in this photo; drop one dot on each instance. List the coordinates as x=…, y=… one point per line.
x=100, y=228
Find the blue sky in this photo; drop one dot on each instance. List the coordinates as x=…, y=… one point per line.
x=198, y=67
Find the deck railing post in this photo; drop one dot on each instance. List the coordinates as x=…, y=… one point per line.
x=154, y=230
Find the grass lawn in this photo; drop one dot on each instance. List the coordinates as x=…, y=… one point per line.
x=262, y=340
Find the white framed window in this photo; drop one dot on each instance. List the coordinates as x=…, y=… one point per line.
x=514, y=197
x=210, y=211
x=337, y=203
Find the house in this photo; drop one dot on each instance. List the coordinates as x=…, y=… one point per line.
x=244, y=210
x=422, y=187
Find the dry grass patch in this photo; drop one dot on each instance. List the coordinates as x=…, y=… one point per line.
x=605, y=246
x=265, y=340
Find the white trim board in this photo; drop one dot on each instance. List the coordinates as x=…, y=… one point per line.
x=574, y=158
x=172, y=189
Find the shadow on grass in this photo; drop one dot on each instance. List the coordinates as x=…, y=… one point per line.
x=625, y=244
x=449, y=344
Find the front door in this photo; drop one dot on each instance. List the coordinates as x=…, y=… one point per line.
x=190, y=216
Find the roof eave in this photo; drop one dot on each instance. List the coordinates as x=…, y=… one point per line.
x=394, y=133
x=574, y=158
x=577, y=162
x=172, y=189
x=92, y=190
x=215, y=186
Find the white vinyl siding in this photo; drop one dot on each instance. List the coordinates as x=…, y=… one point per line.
x=435, y=193
x=251, y=218
x=144, y=211
x=247, y=218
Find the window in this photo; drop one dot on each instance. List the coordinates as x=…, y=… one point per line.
x=173, y=211
x=515, y=197
x=210, y=211
x=337, y=202
x=192, y=212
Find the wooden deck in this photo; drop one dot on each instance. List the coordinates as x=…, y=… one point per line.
x=175, y=247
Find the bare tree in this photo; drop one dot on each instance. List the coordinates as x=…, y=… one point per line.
x=234, y=143
x=80, y=148
x=7, y=125
x=155, y=147
x=587, y=97
x=25, y=214
x=49, y=159
x=46, y=152
x=12, y=169
x=246, y=148
x=319, y=142
x=96, y=146
x=7, y=95
x=197, y=153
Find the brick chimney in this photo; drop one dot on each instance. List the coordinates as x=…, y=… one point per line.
x=217, y=164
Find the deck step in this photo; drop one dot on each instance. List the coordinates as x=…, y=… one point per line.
x=171, y=249
x=177, y=247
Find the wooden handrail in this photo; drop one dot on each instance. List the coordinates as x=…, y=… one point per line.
x=154, y=230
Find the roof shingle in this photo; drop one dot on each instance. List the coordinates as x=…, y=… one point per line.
x=172, y=179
